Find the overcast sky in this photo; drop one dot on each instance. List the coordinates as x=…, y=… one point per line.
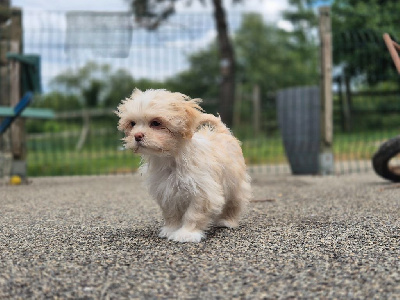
x=40, y=27
x=270, y=7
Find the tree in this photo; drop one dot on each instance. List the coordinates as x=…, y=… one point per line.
x=151, y=13
x=266, y=55
x=88, y=82
x=357, y=37
x=272, y=57
x=201, y=79
x=303, y=36
x=120, y=85
x=357, y=28
x=57, y=101
x=98, y=85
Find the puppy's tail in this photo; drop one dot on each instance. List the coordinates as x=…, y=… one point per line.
x=215, y=122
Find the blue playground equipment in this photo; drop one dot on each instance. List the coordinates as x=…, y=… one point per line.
x=30, y=84
x=17, y=111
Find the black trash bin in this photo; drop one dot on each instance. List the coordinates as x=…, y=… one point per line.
x=298, y=112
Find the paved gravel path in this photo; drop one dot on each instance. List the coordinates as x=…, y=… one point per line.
x=96, y=238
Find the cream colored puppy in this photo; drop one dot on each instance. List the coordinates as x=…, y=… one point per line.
x=195, y=166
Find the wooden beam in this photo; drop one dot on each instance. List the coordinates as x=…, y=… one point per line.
x=18, y=126
x=18, y=135
x=325, y=33
x=256, y=108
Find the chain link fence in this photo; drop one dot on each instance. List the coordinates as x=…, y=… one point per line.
x=91, y=61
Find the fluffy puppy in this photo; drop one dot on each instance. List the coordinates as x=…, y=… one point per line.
x=194, y=165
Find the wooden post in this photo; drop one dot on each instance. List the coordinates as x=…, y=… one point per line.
x=256, y=108
x=5, y=139
x=18, y=127
x=348, y=101
x=326, y=165
x=85, y=130
x=4, y=29
x=13, y=143
x=238, y=106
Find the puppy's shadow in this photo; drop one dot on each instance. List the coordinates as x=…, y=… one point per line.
x=147, y=235
x=127, y=236
x=219, y=232
x=147, y=232
x=151, y=232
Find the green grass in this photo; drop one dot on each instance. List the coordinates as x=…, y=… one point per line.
x=264, y=151
x=81, y=163
x=54, y=155
x=360, y=146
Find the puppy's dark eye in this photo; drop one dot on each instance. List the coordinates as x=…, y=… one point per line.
x=133, y=124
x=155, y=123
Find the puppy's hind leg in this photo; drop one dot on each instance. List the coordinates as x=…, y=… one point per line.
x=235, y=205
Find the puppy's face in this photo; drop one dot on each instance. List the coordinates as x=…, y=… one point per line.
x=157, y=122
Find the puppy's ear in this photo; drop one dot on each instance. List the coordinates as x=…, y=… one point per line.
x=192, y=114
x=136, y=92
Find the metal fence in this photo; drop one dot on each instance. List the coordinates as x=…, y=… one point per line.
x=88, y=68
x=367, y=90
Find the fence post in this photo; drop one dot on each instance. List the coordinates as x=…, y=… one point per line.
x=18, y=134
x=238, y=105
x=256, y=108
x=12, y=143
x=326, y=165
x=5, y=143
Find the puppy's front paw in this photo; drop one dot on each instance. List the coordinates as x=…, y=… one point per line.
x=166, y=231
x=183, y=236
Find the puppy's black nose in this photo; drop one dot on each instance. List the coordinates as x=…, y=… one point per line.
x=139, y=136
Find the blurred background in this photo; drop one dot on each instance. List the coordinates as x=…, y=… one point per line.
x=257, y=63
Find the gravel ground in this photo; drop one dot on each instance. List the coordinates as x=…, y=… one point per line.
x=96, y=238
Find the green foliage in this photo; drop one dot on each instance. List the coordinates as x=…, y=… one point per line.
x=304, y=21
x=358, y=27
x=374, y=108
x=120, y=85
x=88, y=83
x=270, y=56
x=95, y=85
x=267, y=56
x=145, y=84
x=201, y=79
x=57, y=101
x=374, y=14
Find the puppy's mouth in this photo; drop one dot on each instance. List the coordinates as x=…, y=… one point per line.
x=141, y=147
x=133, y=145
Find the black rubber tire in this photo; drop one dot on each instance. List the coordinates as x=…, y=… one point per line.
x=380, y=160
